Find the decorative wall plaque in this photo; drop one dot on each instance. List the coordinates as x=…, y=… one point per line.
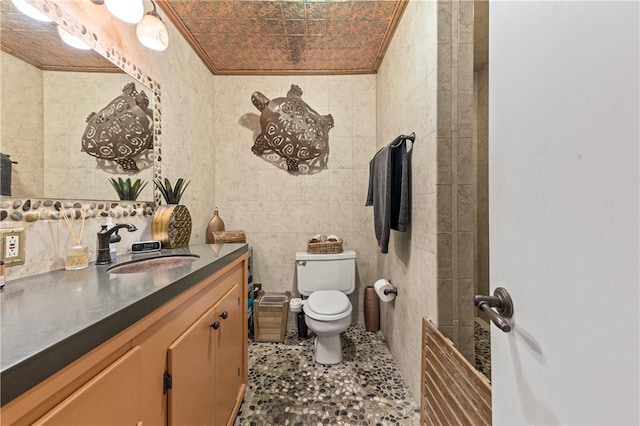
x=120, y=131
x=291, y=129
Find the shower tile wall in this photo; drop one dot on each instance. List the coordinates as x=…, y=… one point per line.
x=278, y=211
x=456, y=175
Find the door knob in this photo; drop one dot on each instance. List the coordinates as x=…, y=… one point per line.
x=501, y=300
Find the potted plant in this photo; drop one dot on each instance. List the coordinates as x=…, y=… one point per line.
x=171, y=223
x=126, y=189
x=171, y=194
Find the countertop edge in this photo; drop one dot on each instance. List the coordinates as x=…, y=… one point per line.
x=19, y=378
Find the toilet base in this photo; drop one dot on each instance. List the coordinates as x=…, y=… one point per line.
x=327, y=349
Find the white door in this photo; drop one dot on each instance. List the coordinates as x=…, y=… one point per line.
x=564, y=209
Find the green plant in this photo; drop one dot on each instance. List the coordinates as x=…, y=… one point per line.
x=126, y=189
x=171, y=194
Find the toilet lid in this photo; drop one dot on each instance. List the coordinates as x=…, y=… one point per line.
x=327, y=305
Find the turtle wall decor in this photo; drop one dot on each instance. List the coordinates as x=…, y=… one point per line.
x=122, y=130
x=292, y=130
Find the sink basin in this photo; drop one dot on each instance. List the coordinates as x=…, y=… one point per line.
x=151, y=264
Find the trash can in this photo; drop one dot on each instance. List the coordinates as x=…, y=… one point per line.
x=270, y=313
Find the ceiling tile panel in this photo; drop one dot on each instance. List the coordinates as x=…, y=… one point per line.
x=295, y=26
x=338, y=27
x=269, y=10
x=316, y=27
x=340, y=10
x=293, y=10
x=317, y=10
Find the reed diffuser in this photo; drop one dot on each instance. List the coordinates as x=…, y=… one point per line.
x=76, y=256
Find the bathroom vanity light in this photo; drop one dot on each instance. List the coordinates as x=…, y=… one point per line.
x=130, y=11
x=72, y=40
x=151, y=31
x=30, y=11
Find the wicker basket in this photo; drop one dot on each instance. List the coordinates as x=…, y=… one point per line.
x=270, y=312
x=327, y=247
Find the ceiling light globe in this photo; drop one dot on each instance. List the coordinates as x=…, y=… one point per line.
x=152, y=33
x=30, y=11
x=130, y=11
x=72, y=40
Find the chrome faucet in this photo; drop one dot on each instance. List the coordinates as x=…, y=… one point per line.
x=107, y=236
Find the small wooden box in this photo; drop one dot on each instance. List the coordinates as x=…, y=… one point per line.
x=270, y=312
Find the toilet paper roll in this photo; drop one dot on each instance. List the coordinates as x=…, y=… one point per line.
x=380, y=286
x=295, y=304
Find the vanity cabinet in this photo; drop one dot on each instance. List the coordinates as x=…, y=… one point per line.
x=184, y=363
x=205, y=366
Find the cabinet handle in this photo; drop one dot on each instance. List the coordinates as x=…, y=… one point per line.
x=215, y=325
x=224, y=315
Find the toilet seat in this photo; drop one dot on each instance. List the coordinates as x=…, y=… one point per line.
x=327, y=305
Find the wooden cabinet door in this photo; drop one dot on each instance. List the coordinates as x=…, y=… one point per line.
x=112, y=398
x=229, y=355
x=191, y=363
x=206, y=364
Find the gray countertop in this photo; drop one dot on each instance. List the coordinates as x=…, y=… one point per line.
x=49, y=320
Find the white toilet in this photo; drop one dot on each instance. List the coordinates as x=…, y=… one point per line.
x=327, y=279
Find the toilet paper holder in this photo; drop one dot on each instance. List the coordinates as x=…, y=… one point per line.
x=388, y=291
x=385, y=290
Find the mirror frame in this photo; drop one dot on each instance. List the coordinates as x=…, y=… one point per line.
x=32, y=209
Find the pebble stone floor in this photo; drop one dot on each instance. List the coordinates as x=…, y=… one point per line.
x=286, y=387
x=483, y=350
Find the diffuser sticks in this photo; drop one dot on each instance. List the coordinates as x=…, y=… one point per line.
x=76, y=255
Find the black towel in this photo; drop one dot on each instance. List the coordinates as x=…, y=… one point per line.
x=388, y=193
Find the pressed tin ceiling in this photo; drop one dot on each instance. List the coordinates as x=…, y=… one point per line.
x=239, y=37
x=287, y=36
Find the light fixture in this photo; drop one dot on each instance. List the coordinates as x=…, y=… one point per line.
x=151, y=31
x=130, y=11
x=72, y=40
x=30, y=10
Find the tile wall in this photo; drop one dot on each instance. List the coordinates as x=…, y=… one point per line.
x=279, y=211
x=425, y=85
x=69, y=98
x=407, y=102
x=457, y=205
x=481, y=141
x=28, y=139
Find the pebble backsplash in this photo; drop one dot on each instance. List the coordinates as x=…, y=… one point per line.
x=287, y=387
x=31, y=210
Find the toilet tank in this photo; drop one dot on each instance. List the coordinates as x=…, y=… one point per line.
x=326, y=272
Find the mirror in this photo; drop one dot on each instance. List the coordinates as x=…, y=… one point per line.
x=47, y=94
